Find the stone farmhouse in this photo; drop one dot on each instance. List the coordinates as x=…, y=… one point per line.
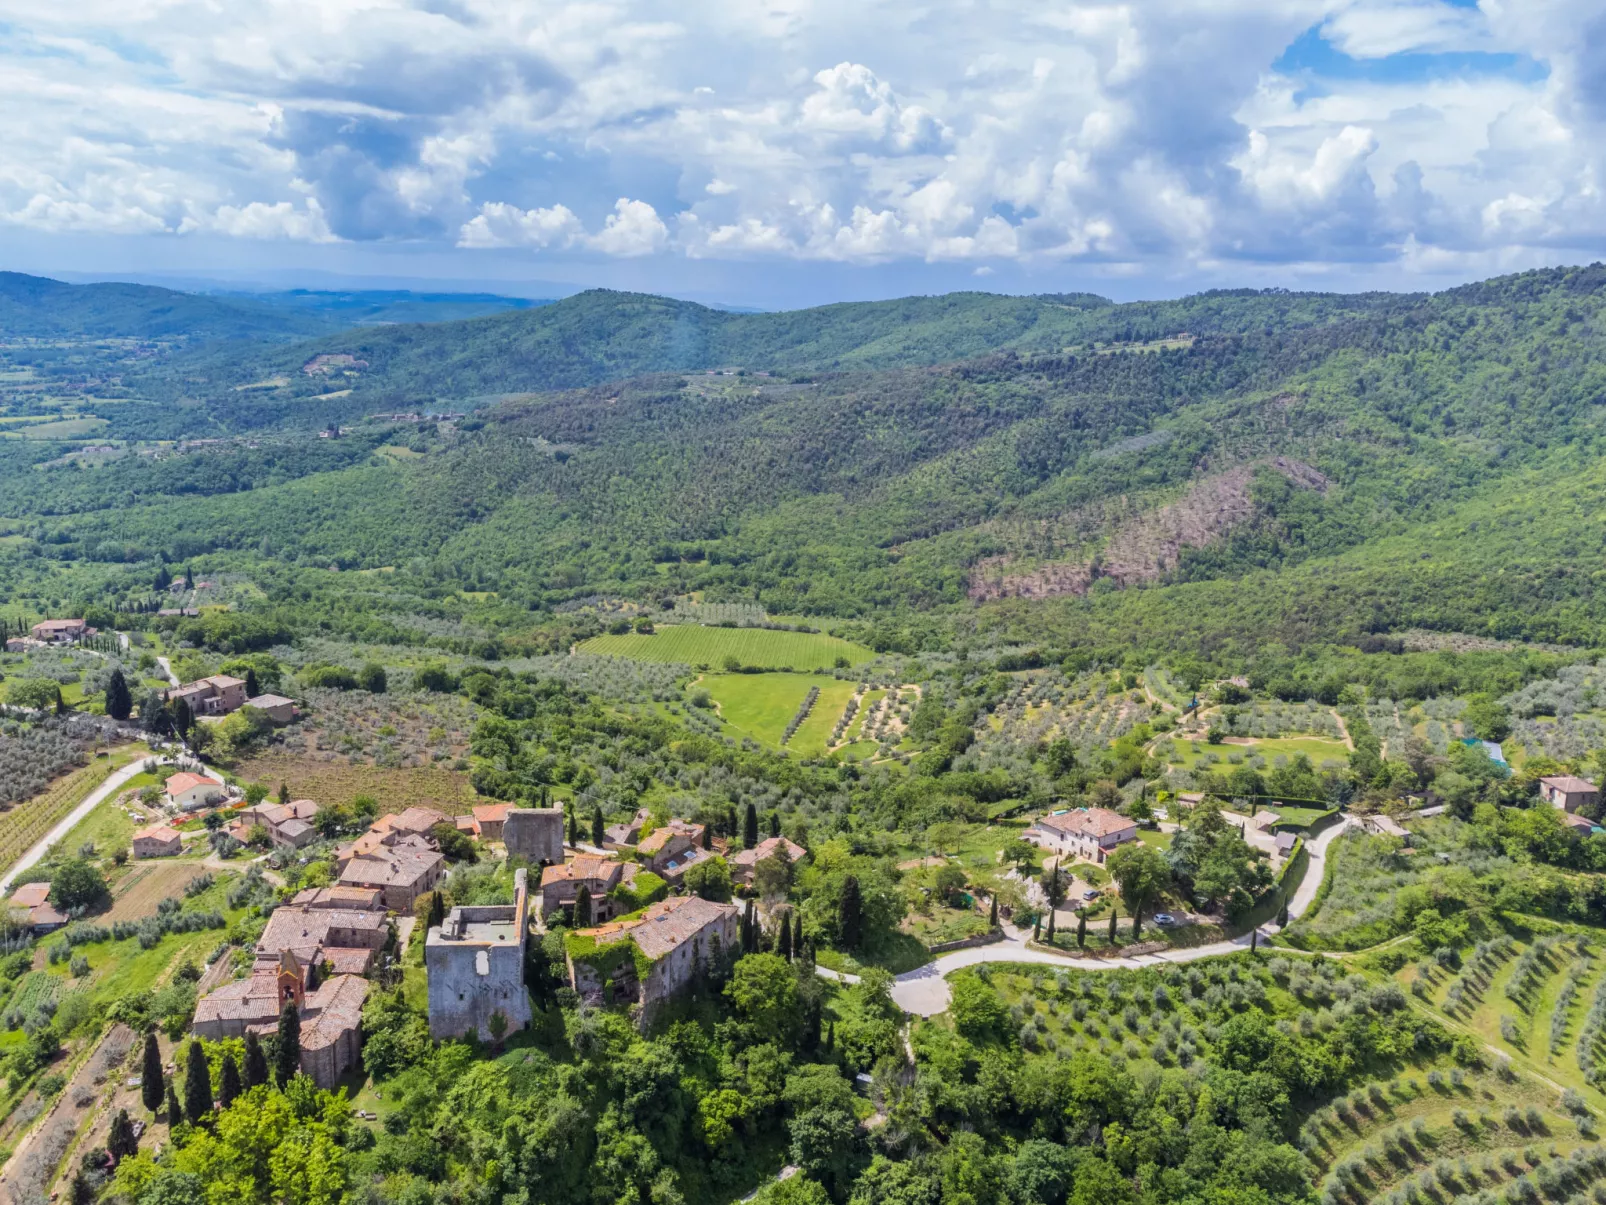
x=1089, y=834
x=399, y=873
x=475, y=962
x=158, y=841
x=744, y=862
x=30, y=904
x=394, y=830
x=619, y=836
x=669, y=851
x=364, y=899
x=289, y=825
x=1569, y=794
x=217, y=695
x=652, y=956
x=561, y=884
x=293, y=954
x=60, y=631
x=486, y=821
x=186, y=791
x=276, y=707
x=534, y=834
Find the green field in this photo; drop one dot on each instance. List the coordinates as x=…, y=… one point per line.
x=1318, y=749
x=761, y=705
x=697, y=645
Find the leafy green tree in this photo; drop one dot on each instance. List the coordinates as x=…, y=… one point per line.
x=1141, y=874
x=372, y=678
x=763, y=990
x=710, y=878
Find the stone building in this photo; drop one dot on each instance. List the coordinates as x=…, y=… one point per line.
x=650, y=957
x=475, y=960
x=400, y=874
x=535, y=834
x=1090, y=834
x=315, y=959
x=670, y=850
x=158, y=841
x=745, y=861
x=560, y=884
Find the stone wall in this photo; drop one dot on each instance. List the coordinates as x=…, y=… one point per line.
x=535, y=834
x=470, y=981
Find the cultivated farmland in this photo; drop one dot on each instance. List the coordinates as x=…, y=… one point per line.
x=33, y=818
x=700, y=646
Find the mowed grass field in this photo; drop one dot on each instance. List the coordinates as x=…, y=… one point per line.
x=761, y=706
x=693, y=644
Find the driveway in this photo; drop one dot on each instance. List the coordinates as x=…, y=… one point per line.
x=924, y=990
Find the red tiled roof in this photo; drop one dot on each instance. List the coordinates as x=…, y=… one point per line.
x=766, y=849
x=1090, y=822
x=588, y=867
x=1569, y=784
x=185, y=780
x=666, y=925
x=30, y=895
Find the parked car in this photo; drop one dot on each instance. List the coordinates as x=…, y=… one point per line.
x=1091, y=894
x=1164, y=918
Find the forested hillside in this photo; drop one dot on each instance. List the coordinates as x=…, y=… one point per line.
x=35, y=307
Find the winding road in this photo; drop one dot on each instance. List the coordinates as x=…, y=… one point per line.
x=924, y=990
x=91, y=801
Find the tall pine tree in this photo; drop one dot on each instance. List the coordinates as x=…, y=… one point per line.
x=197, y=1085
x=256, y=1062
x=228, y=1080
x=119, y=700
x=151, y=1084
x=850, y=914
x=287, y=1047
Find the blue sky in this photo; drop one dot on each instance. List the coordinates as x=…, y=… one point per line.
x=802, y=151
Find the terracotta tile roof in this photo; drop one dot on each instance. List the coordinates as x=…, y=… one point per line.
x=584, y=867
x=338, y=1006
x=1087, y=822
x=491, y=813
x=30, y=895
x=766, y=849
x=1583, y=823
x=185, y=780
x=158, y=832
x=666, y=925
x=394, y=867
x=337, y=897
x=1569, y=784
x=416, y=820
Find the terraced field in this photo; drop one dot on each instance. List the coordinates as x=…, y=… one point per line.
x=694, y=645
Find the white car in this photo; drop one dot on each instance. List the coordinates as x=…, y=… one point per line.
x=1164, y=918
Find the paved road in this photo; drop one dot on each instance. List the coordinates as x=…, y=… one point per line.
x=91, y=801
x=924, y=990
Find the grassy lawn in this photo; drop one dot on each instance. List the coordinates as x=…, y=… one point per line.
x=811, y=737
x=1303, y=817
x=945, y=924
x=1318, y=749
x=1156, y=838
x=761, y=706
x=695, y=645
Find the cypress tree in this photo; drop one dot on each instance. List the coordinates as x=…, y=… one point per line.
x=284, y=793
x=251, y=688
x=119, y=701
x=184, y=720
x=1113, y=916
x=287, y=1050
x=1282, y=914
x=152, y=1085
x=784, y=938
x=830, y=1036
x=175, y=1111
x=574, y=828
x=120, y=1141
x=992, y=913
x=228, y=1080
x=197, y=1085
x=1037, y=929
x=582, y=906
x=708, y=836
x=61, y=704
x=81, y=1193
x=1081, y=930
x=597, y=833
x=775, y=824
x=850, y=914
x=1253, y=934
x=750, y=828
x=437, y=911
x=797, y=934
x=256, y=1062
x=1051, y=926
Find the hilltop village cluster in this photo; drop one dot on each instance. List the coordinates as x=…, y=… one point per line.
x=319, y=950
